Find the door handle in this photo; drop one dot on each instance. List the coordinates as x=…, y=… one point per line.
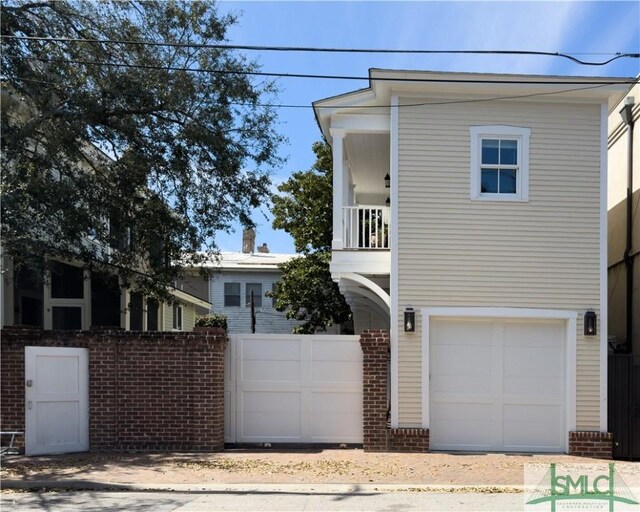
x=30, y=404
x=29, y=383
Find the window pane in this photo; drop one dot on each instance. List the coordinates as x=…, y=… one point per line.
x=66, y=317
x=489, y=182
x=508, y=181
x=177, y=317
x=153, y=307
x=256, y=288
x=105, y=300
x=490, y=151
x=67, y=282
x=135, y=311
x=231, y=294
x=508, y=152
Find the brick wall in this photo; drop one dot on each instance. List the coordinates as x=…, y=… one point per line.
x=591, y=444
x=378, y=437
x=147, y=390
x=413, y=440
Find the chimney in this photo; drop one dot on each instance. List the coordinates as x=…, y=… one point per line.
x=248, y=240
x=263, y=248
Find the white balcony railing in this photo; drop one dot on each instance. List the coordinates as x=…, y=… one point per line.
x=365, y=227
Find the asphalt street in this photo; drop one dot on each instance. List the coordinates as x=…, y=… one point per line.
x=258, y=500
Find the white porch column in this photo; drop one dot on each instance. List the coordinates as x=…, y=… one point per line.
x=338, y=186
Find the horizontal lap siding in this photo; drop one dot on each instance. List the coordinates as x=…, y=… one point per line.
x=456, y=252
x=268, y=320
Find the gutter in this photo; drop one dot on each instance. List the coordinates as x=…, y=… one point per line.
x=628, y=258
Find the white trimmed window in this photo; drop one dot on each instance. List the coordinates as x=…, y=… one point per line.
x=500, y=163
x=177, y=317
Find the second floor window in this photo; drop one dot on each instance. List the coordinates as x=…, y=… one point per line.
x=500, y=163
x=256, y=288
x=231, y=295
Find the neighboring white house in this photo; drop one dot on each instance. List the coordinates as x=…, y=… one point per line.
x=477, y=203
x=229, y=287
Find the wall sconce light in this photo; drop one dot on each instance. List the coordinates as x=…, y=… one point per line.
x=409, y=320
x=388, y=201
x=387, y=181
x=590, y=328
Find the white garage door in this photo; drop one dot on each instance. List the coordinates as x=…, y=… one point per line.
x=497, y=385
x=293, y=389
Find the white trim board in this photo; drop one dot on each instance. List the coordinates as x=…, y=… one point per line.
x=509, y=313
x=393, y=277
x=604, y=307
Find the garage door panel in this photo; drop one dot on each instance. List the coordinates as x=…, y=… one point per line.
x=503, y=390
x=533, y=385
x=533, y=333
x=532, y=428
x=470, y=411
x=463, y=332
x=477, y=434
x=534, y=361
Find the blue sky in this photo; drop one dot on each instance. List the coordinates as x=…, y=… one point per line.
x=568, y=27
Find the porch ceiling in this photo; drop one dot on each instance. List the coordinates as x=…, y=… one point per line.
x=369, y=158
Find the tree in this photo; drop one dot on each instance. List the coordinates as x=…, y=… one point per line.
x=303, y=209
x=141, y=141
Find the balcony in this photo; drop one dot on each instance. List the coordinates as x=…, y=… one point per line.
x=365, y=243
x=365, y=227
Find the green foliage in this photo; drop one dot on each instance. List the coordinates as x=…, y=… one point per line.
x=304, y=208
x=306, y=291
x=152, y=160
x=212, y=320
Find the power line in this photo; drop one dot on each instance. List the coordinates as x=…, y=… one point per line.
x=326, y=77
x=405, y=105
x=313, y=49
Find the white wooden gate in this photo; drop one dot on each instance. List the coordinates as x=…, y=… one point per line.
x=293, y=389
x=56, y=400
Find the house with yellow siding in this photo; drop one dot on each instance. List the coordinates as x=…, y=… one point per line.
x=470, y=220
x=72, y=298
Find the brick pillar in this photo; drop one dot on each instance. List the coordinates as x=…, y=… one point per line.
x=208, y=375
x=375, y=362
x=591, y=444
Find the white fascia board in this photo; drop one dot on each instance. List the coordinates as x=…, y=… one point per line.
x=448, y=84
x=325, y=109
x=361, y=123
x=191, y=299
x=361, y=262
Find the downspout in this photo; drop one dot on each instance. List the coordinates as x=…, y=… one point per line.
x=627, y=115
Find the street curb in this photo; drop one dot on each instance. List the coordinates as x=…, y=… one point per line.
x=35, y=485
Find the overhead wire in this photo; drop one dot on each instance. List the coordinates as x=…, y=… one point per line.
x=594, y=81
x=314, y=49
x=398, y=106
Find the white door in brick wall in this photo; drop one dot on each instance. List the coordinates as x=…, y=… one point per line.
x=56, y=400
x=497, y=385
x=293, y=389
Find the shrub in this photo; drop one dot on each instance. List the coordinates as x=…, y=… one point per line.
x=212, y=320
